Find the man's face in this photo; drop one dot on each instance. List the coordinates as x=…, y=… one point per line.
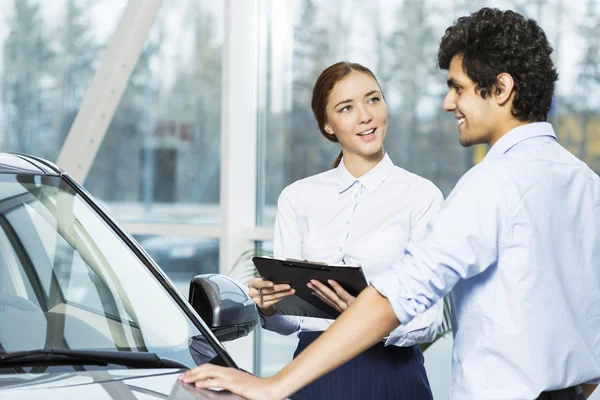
x=476, y=116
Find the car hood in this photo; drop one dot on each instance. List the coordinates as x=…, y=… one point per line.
x=110, y=385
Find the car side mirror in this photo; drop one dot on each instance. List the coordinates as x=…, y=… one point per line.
x=223, y=304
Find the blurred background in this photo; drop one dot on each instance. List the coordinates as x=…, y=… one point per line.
x=214, y=119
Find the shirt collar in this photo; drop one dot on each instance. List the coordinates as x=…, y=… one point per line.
x=520, y=134
x=371, y=180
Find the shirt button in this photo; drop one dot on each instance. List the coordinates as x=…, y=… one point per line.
x=347, y=222
x=355, y=195
x=340, y=249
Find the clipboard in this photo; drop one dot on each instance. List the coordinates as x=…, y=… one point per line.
x=297, y=274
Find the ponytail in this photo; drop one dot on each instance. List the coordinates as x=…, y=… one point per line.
x=338, y=160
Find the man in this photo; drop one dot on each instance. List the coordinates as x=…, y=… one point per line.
x=517, y=241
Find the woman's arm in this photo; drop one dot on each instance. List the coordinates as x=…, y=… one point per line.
x=370, y=318
x=286, y=244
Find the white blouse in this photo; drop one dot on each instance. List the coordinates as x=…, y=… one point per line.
x=335, y=218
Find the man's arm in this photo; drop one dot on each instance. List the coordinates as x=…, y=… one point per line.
x=342, y=341
x=424, y=328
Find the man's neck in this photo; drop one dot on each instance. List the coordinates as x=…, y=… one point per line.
x=505, y=127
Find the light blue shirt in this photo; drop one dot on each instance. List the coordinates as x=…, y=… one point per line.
x=518, y=243
x=336, y=218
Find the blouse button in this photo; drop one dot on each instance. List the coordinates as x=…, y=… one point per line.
x=340, y=249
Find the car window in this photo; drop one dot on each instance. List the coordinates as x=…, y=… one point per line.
x=12, y=279
x=78, y=283
x=69, y=281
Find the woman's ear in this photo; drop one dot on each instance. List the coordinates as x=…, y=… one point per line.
x=504, y=88
x=329, y=129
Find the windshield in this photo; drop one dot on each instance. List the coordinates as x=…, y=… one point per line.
x=67, y=281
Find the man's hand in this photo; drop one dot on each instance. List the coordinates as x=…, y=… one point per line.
x=241, y=383
x=337, y=298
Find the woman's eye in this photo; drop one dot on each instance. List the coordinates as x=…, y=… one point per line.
x=374, y=99
x=345, y=109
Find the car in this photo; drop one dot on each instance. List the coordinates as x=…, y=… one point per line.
x=85, y=313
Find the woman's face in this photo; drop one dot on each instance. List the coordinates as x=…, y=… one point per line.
x=357, y=115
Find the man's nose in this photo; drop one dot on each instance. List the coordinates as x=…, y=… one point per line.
x=449, y=103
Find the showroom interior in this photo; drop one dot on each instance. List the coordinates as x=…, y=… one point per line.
x=187, y=118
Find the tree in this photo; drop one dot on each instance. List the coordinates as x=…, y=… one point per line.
x=419, y=139
x=588, y=86
x=196, y=104
x=311, y=153
x=27, y=56
x=294, y=146
x=116, y=172
x=74, y=67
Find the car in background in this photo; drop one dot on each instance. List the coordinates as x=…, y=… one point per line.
x=85, y=313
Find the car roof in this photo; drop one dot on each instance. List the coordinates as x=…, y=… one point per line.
x=13, y=163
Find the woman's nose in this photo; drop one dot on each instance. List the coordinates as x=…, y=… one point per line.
x=364, y=116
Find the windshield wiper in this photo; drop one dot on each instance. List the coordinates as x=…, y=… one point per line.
x=87, y=357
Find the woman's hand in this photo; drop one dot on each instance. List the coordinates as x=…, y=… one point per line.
x=337, y=298
x=265, y=294
x=207, y=394
x=241, y=383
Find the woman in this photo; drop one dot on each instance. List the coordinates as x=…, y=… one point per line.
x=362, y=212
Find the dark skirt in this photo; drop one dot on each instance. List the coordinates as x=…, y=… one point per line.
x=381, y=373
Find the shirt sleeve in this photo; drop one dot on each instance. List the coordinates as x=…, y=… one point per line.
x=286, y=244
x=461, y=241
x=422, y=329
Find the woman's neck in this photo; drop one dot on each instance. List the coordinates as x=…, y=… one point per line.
x=359, y=165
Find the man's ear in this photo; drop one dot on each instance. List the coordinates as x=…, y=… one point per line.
x=504, y=88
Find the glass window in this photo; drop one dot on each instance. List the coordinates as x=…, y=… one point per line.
x=182, y=257
x=12, y=273
x=272, y=350
x=73, y=275
x=75, y=282
x=50, y=51
x=398, y=41
x=302, y=40
x=160, y=158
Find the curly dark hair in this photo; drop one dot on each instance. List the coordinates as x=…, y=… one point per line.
x=491, y=42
